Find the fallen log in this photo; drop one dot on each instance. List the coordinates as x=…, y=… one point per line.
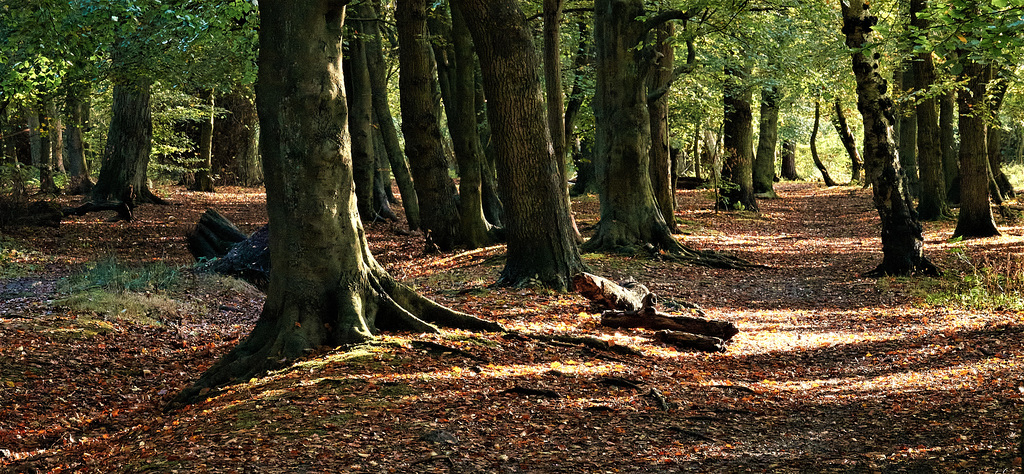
x=656, y=320
x=222, y=248
x=686, y=340
x=608, y=293
x=123, y=209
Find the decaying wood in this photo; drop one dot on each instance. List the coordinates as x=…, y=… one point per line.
x=608, y=293
x=634, y=308
x=222, y=248
x=123, y=209
x=213, y=236
x=686, y=340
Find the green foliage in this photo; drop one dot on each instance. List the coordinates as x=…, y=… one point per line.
x=15, y=261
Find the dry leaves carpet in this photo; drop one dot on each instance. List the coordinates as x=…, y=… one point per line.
x=830, y=372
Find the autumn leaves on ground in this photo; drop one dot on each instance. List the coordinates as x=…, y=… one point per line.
x=830, y=372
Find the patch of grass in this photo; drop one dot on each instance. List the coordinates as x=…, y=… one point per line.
x=138, y=308
x=989, y=281
x=16, y=261
x=111, y=275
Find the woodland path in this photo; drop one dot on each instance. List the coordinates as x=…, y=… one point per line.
x=830, y=373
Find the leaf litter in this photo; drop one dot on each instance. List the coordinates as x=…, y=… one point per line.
x=830, y=372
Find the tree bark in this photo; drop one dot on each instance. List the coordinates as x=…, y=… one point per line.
x=461, y=111
x=849, y=143
x=325, y=287
x=996, y=95
x=46, y=136
x=932, y=204
x=435, y=190
x=76, y=165
x=902, y=239
x=975, y=219
x=541, y=245
x=814, y=147
x=948, y=143
x=360, y=111
x=630, y=216
x=126, y=154
x=768, y=140
x=662, y=179
x=789, y=160
x=385, y=121
x=739, y=138
x=236, y=139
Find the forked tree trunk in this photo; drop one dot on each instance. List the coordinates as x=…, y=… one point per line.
x=975, y=219
x=541, y=244
x=768, y=140
x=814, y=147
x=126, y=154
x=435, y=190
x=849, y=143
x=902, y=239
x=325, y=287
x=630, y=216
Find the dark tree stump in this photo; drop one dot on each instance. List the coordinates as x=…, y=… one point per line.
x=222, y=248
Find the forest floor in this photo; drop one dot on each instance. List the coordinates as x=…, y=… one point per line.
x=831, y=372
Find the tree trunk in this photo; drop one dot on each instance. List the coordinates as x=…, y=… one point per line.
x=360, y=111
x=584, y=165
x=662, y=179
x=236, y=139
x=908, y=135
x=630, y=216
x=541, y=245
x=902, y=239
x=461, y=111
x=814, y=147
x=995, y=134
x=75, y=163
x=739, y=138
x=948, y=143
x=932, y=204
x=45, y=144
x=849, y=143
x=385, y=121
x=435, y=190
x=325, y=287
x=555, y=101
x=204, y=177
x=789, y=160
x=126, y=154
x=975, y=219
x=56, y=137
x=768, y=139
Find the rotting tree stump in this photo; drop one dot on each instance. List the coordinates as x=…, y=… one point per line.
x=221, y=247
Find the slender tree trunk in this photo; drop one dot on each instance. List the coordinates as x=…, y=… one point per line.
x=435, y=191
x=932, y=204
x=541, y=245
x=768, y=139
x=908, y=135
x=35, y=136
x=204, y=177
x=789, y=160
x=45, y=144
x=948, y=143
x=995, y=134
x=56, y=137
x=739, y=138
x=585, y=179
x=75, y=163
x=360, y=112
x=325, y=287
x=126, y=154
x=814, y=147
x=849, y=143
x=385, y=121
x=461, y=108
x=975, y=219
x=902, y=239
x=662, y=179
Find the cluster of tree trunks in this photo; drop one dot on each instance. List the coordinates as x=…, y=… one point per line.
x=632, y=306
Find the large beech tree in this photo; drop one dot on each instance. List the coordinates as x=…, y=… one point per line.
x=325, y=288
x=902, y=239
x=541, y=242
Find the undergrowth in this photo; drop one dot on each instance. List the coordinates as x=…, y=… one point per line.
x=983, y=281
x=111, y=275
x=111, y=289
